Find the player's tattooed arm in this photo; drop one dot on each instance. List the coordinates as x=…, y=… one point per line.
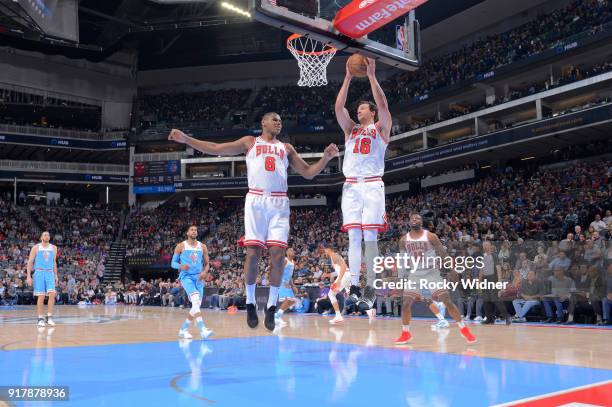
x=206, y=260
x=309, y=171
x=438, y=247
x=232, y=148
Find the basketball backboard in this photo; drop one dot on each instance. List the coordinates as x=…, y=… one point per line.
x=296, y=16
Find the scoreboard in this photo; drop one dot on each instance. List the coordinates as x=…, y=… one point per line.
x=152, y=177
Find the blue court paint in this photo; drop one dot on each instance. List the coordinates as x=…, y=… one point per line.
x=268, y=370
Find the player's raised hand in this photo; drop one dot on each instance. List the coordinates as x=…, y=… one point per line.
x=370, y=67
x=177, y=135
x=331, y=151
x=349, y=75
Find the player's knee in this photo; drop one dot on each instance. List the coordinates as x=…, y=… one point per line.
x=370, y=235
x=332, y=297
x=196, y=302
x=355, y=234
x=253, y=251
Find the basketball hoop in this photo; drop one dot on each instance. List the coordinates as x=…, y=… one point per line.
x=313, y=57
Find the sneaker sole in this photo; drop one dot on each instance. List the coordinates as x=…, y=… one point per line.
x=404, y=342
x=207, y=336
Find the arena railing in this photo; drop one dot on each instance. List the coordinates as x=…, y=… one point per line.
x=64, y=133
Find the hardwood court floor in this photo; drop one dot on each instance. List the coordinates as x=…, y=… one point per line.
x=134, y=354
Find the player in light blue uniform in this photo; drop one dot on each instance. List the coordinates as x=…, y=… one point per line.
x=191, y=259
x=286, y=293
x=43, y=261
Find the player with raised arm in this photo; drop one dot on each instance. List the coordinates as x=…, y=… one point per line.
x=266, y=207
x=43, y=260
x=363, y=194
x=191, y=259
x=423, y=246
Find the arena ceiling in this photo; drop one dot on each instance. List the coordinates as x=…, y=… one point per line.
x=166, y=32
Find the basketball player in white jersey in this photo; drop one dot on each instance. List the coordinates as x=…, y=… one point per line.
x=43, y=259
x=266, y=209
x=423, y=246
x=341, y=283
x=286, y=294
x=363, y=194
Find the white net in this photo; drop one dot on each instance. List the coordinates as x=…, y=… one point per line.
x=313, y=57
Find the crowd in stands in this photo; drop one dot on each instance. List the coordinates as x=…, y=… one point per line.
x=82, y=233
x=209, y=106
x=307, y=106
x=542, y=33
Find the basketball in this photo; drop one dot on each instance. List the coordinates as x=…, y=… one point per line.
x=357, y=66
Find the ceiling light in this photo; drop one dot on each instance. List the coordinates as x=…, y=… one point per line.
x=236, y=9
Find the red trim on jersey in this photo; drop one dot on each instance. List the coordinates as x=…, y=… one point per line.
x=261, y=192
x=355, y=180
x=254, y=242
x=252, y=145
x=380, y=133
x=277, y=243
x=348, y=226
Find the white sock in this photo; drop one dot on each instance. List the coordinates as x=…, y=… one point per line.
x=370, y=252
x=461, y=325
x=439, y=316
x=41, y=317
x=354, y=254
x=49, y=314
x=250, y=291
x=280, y=312
x=338, y=314
x=406, y=328
x=273, y=296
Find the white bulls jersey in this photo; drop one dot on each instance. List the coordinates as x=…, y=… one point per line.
x=364, y=154
x=422, y=252
x=267, y=166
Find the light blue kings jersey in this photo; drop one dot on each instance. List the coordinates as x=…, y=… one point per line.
x=45, y=258
x=287, y=274
x=192, y=256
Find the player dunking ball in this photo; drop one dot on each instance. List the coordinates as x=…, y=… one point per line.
x=191, y=259
x=423, y=247
x=286, y=293
x=341, y=283
x=363, y=194
x=43, y=260
x=266, y=207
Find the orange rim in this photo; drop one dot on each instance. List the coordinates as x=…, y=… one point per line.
x=327, y=50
